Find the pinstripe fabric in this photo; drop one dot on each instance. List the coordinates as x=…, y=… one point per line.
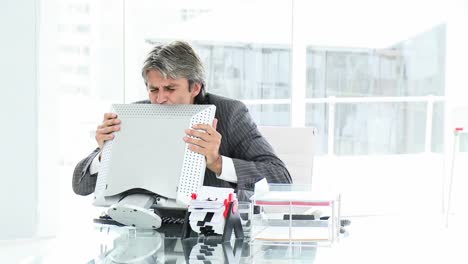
x=253, y=157
x=83, y=182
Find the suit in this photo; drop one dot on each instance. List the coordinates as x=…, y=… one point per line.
x=253, y=157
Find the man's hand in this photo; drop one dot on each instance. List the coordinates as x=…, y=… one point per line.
x=104, y=130
x=206, y=142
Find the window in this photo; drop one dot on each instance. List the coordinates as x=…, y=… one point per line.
x=381, y=99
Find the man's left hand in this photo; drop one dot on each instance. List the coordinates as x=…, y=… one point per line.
x=206, y=141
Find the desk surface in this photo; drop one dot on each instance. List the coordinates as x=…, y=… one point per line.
x=370, y=240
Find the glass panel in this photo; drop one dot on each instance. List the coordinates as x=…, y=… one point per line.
x=424, y=63
x=463, y=142
x=379, y=128
x=247, y=72
x=348, y=73
x=387, y=73
x=317, y=116
x=271, y=115
x=415, y=67
x=438, y=127
x=316, y=73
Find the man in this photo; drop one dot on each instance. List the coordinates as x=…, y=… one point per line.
x=237, y=156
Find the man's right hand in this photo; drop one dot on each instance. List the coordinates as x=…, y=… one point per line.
x=109, y=125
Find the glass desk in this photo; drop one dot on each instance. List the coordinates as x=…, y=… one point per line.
x=373, y=239
x=128, y=245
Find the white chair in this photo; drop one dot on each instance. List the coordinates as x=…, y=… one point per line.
x=295, y=147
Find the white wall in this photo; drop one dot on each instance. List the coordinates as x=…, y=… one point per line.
x=407, y=184
x=456, y=108
x=47, y=119
x=18, y=115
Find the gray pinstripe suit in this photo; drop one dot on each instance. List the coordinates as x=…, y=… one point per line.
x=252, y=155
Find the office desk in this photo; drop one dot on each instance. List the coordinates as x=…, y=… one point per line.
x=127, y=245
x=110, y=244
x=373, y=239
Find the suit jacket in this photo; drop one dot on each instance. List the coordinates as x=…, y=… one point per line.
x=253, y=157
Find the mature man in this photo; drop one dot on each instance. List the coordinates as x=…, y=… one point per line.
x=237, y=155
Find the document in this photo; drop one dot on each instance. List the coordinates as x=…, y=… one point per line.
x=207, y=210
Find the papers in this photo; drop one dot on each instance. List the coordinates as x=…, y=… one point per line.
x=283, y=233
x=207, y=220
x=207, y=210
x=208, y=193
x=293, y=197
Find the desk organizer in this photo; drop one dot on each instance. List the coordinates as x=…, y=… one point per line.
x=295, y=213
x=213, y=211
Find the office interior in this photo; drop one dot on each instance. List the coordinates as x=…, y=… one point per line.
x=383, y=83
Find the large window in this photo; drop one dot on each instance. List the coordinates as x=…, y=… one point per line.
x=88, y=77
x=255, y=60
x=382, y=99
x=379, y=128
x=372, y=84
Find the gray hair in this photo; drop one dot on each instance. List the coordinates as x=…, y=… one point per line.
x=176, y=60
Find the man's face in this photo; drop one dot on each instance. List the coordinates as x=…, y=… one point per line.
x=170, y=91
